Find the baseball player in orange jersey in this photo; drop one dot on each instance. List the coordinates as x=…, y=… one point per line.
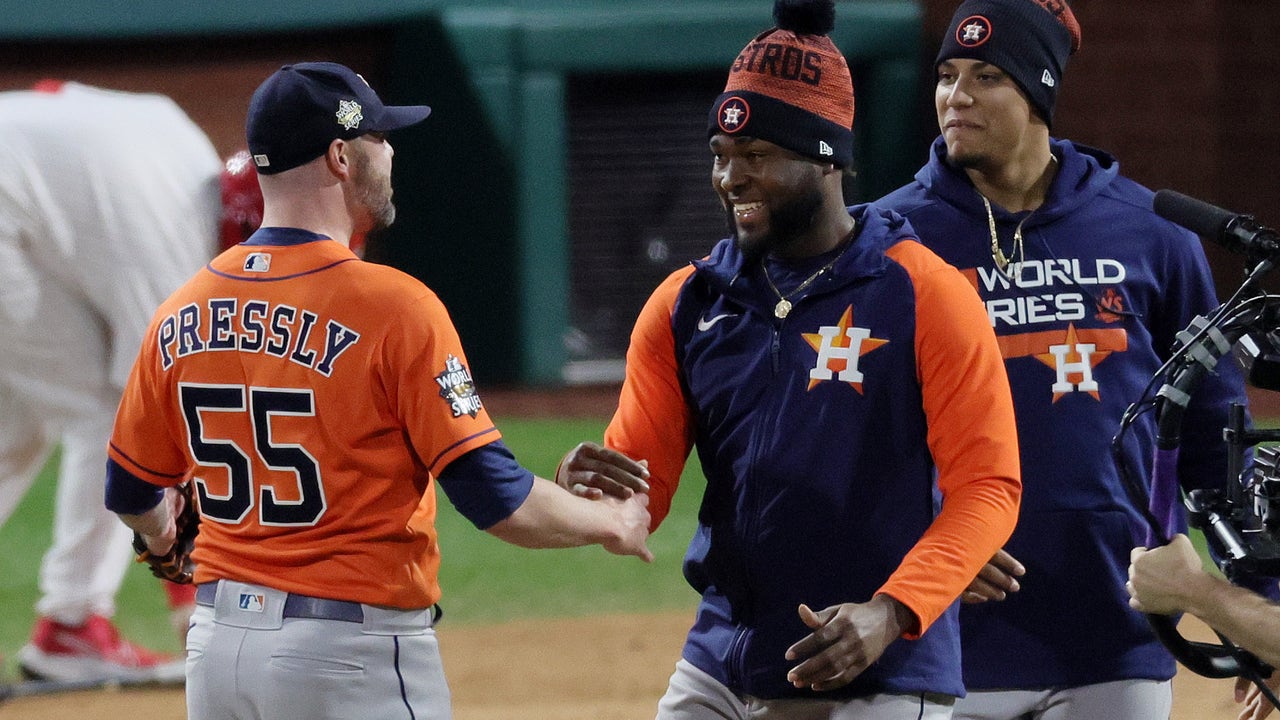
x=313, y=399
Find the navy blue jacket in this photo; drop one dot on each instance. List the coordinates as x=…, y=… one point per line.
x=828, y=440
x=1084, y=323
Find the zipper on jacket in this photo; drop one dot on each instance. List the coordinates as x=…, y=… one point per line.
x=765, y=416
x=753, y=493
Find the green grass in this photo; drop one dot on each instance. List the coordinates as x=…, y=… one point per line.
x=486, y=580
x=483, y=579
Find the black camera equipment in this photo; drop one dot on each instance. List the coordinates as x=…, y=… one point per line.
x=1241, y=521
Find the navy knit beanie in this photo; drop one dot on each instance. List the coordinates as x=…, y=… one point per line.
x=1028, y=39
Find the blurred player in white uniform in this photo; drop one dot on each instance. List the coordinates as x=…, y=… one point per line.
x=108, y=201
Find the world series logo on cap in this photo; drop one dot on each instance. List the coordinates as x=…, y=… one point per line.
x=349, y=114
x=973, y=31
x=733, y=114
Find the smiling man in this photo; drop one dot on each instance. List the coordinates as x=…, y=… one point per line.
x=849, y=408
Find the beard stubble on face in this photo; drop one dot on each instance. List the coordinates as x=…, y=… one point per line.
x=972, y=160
x=373, y=193
x=789, y=223
x=967, y=162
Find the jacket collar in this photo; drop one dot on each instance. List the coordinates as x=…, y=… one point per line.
x=1083, y=173
x=878, y=229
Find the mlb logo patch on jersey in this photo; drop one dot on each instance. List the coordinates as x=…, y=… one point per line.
x=252, y=602
x=258, y=262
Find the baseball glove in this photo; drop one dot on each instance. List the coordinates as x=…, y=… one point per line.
x=174, y=566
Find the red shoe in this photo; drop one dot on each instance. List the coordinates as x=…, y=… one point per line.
x=92, y=651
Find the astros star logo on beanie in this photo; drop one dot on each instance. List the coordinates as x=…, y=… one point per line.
x=973, y=31
x=791, y=86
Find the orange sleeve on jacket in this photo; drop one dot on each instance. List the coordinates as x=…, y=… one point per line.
x=972, y=436
x=653, y=421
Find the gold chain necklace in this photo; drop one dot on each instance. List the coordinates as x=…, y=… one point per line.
x=997, y=255
x=783, y=308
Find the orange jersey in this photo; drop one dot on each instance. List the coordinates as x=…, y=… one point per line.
x=312, y=398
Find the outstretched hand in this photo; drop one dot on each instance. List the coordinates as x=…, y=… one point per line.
x=633, y=520
x=593, y=471
x=846, y=639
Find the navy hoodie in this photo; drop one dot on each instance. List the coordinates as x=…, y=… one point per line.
x=1085, y=316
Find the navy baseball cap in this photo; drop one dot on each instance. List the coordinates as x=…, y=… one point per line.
x=301, y=108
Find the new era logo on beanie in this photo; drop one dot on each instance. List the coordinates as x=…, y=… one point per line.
x=1028, y=39
x=301, y=108
x=791, y=86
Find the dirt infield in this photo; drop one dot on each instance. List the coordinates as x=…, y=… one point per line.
x=597, y=668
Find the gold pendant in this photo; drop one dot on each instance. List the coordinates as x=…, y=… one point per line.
x=1001, y=261
x=782, y=309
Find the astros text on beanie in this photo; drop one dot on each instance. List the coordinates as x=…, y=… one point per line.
x=1028, y=39
x=791, y=86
